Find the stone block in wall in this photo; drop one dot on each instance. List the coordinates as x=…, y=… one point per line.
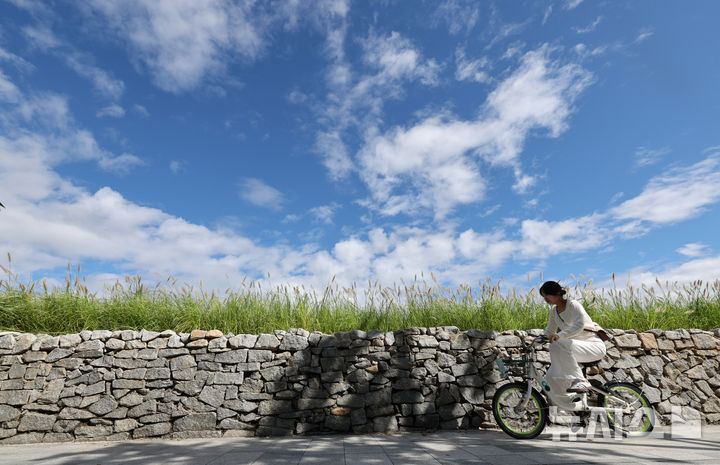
x=274, y=407
x=25, y=438
x=295, y=342
x=95, y=344
x=243, y=406
x=627, y=341
x=148, y=354
x=696, y=372
x=7, y=341
x=23, y=342
x=681, y=344
x=704, y=341
x=15, y=397
x=711, y=405
x=654, y=395
x=151, y=430
x=145, y=408
x=677, y=334
x=36, y=422
x=128, y=384
x=273, y=373
x=626, y=362
x=472, y=395
x=72, y=413
x=311, y=404
x=232, y=356
x=67, y=341
x=267, y=341
x=103, y=406
x=508, y=341
x=648, y=341
x=212, y=395
x=8, y=413
x=91, y=432
x=450, y=411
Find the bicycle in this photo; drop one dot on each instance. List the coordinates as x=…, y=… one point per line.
x=521, y=411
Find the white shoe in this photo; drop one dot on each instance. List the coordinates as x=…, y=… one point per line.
x=580, y=385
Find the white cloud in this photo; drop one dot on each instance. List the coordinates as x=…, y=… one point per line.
x=433, y=164
x=296, y=97
x=643, y=36
x=680, y=194
x=335, y=155
x=507, y=30
x=181, y=42
x=54, y=138
x=693, y=249
x=460, y=15
x=546, y=15
x=256, y=192
x=674, y=279
x=513, y=50
x=53, y=222
x=396, y=58
x=591, y=27
x=141, y=110
x=645, y=156
x=357, y=101
x=325, y=213
x=572, y=4
x=470, y=70
x=41, y=36
x=113, y=111
x=541, y=239
x=15, y=60
x=102, y=81
x=584, y=51
x=121, y=164
x=177, y=166
x=427, y=163
x=8, y=90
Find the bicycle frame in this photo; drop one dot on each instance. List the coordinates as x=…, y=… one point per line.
x=532, y=374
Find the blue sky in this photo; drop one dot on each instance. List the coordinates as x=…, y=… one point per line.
x=371, y=140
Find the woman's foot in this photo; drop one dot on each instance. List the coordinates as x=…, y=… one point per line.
x=580, y=385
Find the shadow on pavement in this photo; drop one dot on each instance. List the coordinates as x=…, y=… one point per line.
x=447, y=448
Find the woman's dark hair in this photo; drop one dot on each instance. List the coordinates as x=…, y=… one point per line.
x=551, y=288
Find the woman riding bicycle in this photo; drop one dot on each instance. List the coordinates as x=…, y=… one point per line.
x=575, y=342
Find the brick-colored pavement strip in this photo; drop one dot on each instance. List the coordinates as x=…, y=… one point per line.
x=446, y=448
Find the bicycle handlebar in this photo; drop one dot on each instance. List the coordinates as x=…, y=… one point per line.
x=541, y=339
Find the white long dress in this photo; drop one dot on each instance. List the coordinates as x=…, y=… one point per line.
x=576, y=344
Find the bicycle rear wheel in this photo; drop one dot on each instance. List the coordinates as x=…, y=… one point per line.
x=526, y=424
x=635, y=415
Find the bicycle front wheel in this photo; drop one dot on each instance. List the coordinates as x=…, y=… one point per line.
x=633, y=414
x=526, y=423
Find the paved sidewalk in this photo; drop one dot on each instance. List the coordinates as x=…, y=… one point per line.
x=447, y=448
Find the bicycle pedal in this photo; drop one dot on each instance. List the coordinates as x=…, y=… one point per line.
x=585, y=389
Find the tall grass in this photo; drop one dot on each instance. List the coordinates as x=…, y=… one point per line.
x=32, y=307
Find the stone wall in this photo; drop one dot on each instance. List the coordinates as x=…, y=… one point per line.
x=115, y=385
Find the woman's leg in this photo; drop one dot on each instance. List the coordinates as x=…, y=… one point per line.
x=563, y=369
x=564, y=357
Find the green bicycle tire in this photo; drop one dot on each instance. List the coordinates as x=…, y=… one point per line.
x=536, y=405
x=624, y=388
